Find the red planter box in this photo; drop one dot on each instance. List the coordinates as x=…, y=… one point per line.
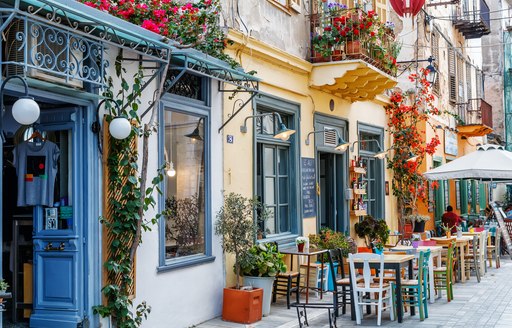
x=242, y=306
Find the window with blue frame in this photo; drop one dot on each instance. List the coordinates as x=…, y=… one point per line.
x=276, y=174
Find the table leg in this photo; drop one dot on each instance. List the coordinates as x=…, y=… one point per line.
x=307, y=279
x=462, y=262
x=352, y=307
x=439, y=264
x=411, y=276
x=399, y=310
x=322, y=277
x=431, y=296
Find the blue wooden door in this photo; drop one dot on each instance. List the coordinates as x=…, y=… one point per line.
x=58, y=240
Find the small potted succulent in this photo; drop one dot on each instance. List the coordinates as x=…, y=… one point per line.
x=3, y=286
x=300, y=242
x=415, y=241
x=447, y=230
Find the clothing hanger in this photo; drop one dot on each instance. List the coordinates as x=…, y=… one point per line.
x=36, y=134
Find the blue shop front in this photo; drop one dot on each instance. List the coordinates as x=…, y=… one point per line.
x=56, y=52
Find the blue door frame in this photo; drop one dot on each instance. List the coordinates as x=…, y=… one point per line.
x=83, y=241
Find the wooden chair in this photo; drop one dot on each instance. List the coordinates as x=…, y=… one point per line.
x=493, y=251
x=472, y=259
x=443, y=276
x=415, y=291
x=286, y=283
x=341, y=282
x=382, y=289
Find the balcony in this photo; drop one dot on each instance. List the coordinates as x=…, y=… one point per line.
x=474, y=22
x=353, y=53
x=474, y=118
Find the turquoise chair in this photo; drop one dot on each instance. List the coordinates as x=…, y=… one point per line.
x=415, y=291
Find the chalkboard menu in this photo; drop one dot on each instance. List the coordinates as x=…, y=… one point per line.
x=308, y=187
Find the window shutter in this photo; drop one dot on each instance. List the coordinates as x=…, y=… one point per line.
x=108, y=213
x=296, y=5
x=381, y=8
x=435, y=53
x=469, y=81
x=460, y=79
x=452, y=79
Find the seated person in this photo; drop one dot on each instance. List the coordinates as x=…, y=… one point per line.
x=451, y=219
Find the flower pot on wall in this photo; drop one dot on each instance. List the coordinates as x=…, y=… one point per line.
x=419, y=226
x=265, y=283
x=353, y=47
x=242, y=306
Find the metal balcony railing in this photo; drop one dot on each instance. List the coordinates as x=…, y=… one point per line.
x=475, y=112
x=473, y=22
x=347, y=34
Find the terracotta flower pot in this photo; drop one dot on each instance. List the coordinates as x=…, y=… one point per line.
x=300, y=247
x=242, y=306
x=353, y=47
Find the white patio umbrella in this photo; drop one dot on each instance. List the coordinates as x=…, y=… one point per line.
x=488, y=162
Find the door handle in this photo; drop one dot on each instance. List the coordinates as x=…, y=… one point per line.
x=49, y=247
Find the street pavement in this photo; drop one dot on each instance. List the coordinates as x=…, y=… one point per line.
x=484, y=304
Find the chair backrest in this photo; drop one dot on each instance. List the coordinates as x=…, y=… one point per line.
x=449, y=258
x=334, y=255
x=497, y=241
x=423, y=262
x=367, y=272
x=483, y=244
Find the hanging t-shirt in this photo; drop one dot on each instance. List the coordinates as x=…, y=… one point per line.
x=36, y=167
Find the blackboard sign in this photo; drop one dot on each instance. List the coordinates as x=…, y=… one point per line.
x=498, y=212
x=308, y=187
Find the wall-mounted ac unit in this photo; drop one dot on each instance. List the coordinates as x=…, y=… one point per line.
x=45, y=50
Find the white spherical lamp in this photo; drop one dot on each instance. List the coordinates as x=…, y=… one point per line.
x=25, y=111
x=120, y=128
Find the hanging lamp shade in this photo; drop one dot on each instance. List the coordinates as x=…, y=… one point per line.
x=407, y=7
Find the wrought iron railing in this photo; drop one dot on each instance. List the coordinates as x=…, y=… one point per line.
x=344, y=34
x=475, y=112
x=473, y=22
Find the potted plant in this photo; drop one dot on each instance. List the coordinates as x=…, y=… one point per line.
x=447, y=230
x=415, y=241
x=236, y=226
x=3, y=286
x=418, y=221
x=259, y=266
x=300, y=242
x=374, y=232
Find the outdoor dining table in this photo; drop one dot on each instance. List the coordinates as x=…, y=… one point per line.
x=308, y=253
x=462, y=243
x=435, y=252
x=392, y=262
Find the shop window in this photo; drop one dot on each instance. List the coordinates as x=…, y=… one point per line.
x=185, y=223
x=276, y=175
x=374, y=177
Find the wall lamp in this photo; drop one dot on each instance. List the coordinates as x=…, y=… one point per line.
x=119, y=128
x=432, y=72
x=169, y=169
x=380, y=155
x=342, y=145
x=282, y=133
x=196, y=135
x=411, y=157
x=25, y=110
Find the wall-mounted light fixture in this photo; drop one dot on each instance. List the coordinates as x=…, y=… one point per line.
x=119, y=128
x=380, y=155
x=25, y=110
x=282, y=132
x=342, y=145
x=432, y=72
x=169, y=169
x=196, y=134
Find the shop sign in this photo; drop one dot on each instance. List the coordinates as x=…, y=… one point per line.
x=308, y=187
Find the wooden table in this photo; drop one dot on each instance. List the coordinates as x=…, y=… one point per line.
x=482, y=236
x=308, y=252
x=435, y=251
x=462, y=244
x=392, y=262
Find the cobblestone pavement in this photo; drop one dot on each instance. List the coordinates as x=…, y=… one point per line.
x=484, y=304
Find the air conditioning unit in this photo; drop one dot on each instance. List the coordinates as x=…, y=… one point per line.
x=38, y=50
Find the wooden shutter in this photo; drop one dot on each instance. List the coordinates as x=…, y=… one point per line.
x=460, y=79
x=452, y=78
x=435, y=53
x=109, y=193
x=469, y=80
x=381, y=8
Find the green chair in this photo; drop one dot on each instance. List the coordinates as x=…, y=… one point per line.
x=443, y=276
x=415, y=291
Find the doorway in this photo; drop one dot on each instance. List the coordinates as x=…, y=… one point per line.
x=42, y=218
x=331, y=199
